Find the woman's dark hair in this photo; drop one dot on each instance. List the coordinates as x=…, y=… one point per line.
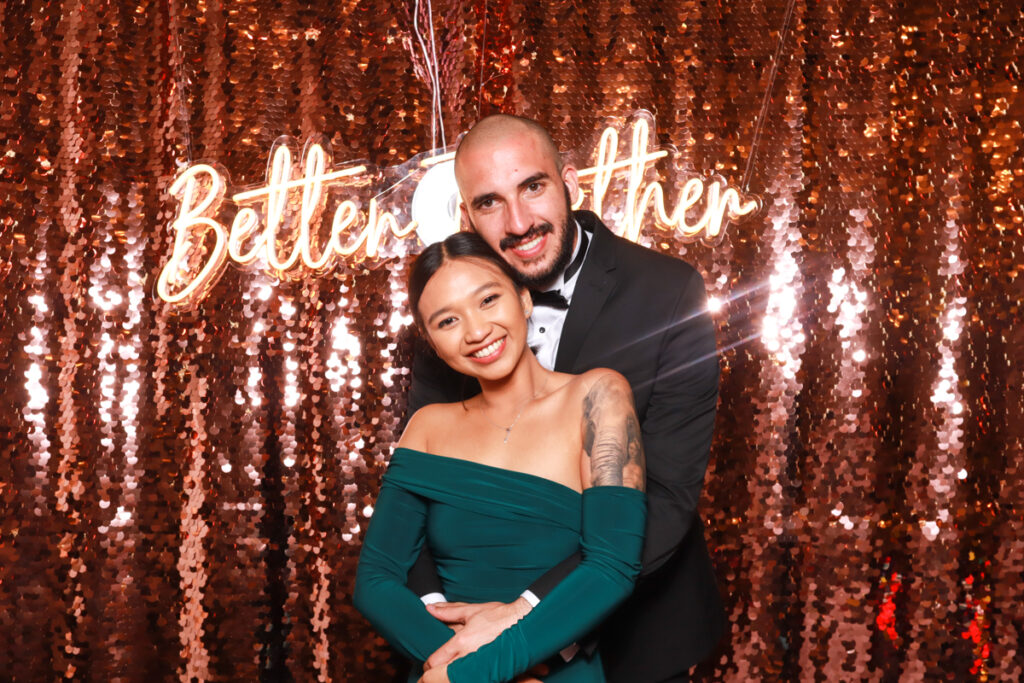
x=459, y=245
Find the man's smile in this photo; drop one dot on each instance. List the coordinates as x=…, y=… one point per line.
x=529, y=245
x=527, y=250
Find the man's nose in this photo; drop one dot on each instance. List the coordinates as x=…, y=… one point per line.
x=520, y=220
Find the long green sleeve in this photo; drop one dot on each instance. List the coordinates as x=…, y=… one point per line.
x=613, y=520
x=390, y=548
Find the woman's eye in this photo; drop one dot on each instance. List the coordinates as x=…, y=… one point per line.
x=450, y=320
x=490, y=298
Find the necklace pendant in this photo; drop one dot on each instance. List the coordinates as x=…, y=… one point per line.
x=508, y=433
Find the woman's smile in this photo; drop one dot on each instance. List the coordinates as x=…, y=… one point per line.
x=491, y=352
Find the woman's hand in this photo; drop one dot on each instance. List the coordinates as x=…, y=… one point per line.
x=475, y=625
x=438, y=674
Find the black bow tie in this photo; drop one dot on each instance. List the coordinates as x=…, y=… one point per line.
x=551, y=299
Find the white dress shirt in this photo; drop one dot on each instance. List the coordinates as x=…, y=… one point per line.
x=546, y=323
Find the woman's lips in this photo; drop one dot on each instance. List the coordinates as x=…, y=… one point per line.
x=489, y=353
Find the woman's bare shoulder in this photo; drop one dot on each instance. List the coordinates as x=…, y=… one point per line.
x=426, y=423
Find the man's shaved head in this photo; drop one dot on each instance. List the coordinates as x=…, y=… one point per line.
x=492, y=130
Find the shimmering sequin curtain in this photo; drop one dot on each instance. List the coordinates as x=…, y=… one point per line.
x=183, y=493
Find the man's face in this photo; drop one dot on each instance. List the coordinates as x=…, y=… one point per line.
x=516, y=199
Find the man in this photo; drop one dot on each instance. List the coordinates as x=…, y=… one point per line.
x=599, y=301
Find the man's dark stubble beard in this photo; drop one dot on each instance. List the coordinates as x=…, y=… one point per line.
x=564, y=254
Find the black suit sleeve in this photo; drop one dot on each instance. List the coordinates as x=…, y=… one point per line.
x=677, y=429
x=678, y=425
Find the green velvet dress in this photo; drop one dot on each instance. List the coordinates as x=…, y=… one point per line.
x=492, y=532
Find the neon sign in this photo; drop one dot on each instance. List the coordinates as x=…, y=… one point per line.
x=281, y=226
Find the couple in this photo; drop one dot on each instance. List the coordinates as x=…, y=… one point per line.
x=531, y=496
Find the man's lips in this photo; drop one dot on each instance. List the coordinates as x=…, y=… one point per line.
x=531, y=247
x=490, y=352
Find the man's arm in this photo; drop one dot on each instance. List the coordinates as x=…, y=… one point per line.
x=676, y=434
x=613, y=456
x=613, y=512
x=677, y=431
x=678, y=426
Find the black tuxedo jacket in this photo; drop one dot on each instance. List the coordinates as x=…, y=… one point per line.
x=645, y=315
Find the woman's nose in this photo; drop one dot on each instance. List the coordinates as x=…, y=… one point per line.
x=476, y=329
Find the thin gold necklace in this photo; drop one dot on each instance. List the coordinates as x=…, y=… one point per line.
x=508, y=430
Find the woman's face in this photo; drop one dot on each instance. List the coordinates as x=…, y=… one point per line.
x=475, y=318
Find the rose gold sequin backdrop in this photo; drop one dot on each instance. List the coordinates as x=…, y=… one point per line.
x=182, y=495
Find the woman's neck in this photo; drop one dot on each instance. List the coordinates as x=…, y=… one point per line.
x=524, y=383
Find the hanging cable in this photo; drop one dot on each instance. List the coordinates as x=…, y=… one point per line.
x=437, y=77
x=759, y=125
x=434, y=82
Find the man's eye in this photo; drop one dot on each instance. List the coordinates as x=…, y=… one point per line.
x=533, y=187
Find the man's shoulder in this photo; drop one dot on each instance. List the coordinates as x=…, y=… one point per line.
x=644, y=259
x=637, y=258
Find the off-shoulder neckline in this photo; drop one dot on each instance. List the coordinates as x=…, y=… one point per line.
x=493, y=468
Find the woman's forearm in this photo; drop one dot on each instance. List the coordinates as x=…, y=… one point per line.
x=390, y=547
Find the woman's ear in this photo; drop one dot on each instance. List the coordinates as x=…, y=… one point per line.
x=422, y=333
x=430, y=342
x=527, y=301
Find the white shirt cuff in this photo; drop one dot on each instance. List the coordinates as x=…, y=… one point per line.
x=530, y=597
x=431, y=598
x=569, y=651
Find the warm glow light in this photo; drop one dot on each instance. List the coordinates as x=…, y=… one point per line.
x=718, y=201
x=277, y=226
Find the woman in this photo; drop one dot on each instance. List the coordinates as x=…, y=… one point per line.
x=505, y=485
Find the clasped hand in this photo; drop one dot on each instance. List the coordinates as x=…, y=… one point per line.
x=475, y=625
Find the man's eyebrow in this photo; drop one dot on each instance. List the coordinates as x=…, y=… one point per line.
x=480, y=199
x=475, y=292
x=534, y=178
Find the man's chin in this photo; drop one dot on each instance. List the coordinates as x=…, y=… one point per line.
x=535, y=276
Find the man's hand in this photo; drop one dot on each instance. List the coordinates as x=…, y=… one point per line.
x=476, y=624
x=440, y=675
x=435, y=675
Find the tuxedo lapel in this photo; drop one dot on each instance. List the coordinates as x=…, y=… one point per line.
x=596, y=282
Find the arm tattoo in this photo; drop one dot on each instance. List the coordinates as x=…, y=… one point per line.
x=611, y=436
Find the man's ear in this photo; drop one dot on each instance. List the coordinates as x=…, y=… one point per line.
x=464, y=224
x=571, y=178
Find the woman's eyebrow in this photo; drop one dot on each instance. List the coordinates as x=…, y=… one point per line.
x=475, y=292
